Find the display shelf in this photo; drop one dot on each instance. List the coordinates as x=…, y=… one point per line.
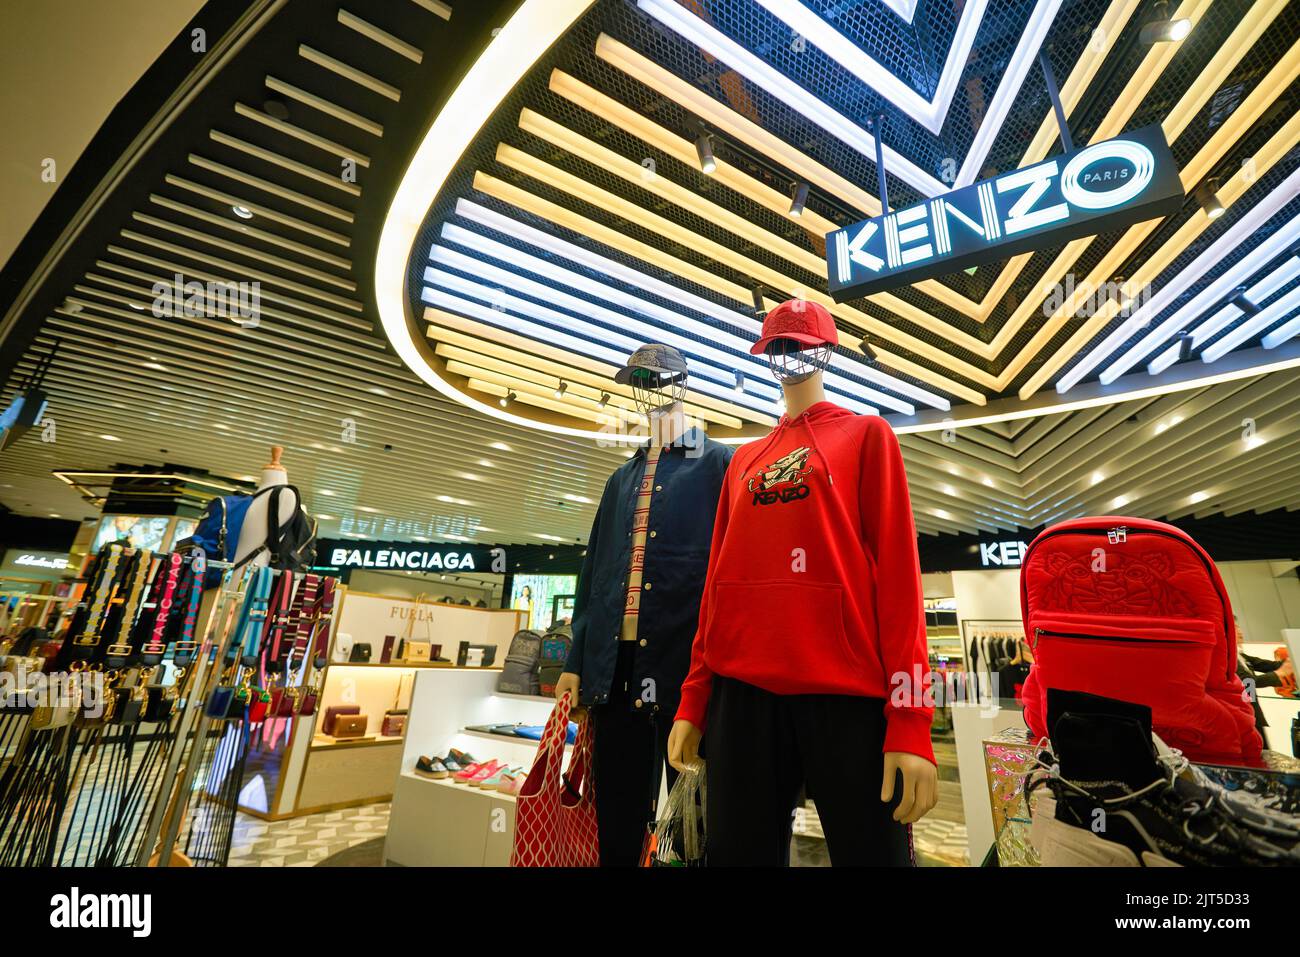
x=506, y=738
x=464, y=788
x=525, y=697
x=323, y=742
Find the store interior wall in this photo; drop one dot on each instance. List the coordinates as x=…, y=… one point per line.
x=1265, y=598
x=988, y=594
x=401, y=585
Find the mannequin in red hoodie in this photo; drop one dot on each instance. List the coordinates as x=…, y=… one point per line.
x=809, y=661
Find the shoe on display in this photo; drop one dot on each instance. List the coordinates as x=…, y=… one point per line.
x=1117, y=800
x=482, y=772
x=431, y=768
x=462, y=758
x=514, y=783
x=498, y=780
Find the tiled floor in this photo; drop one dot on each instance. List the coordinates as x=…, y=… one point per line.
x=305, y=841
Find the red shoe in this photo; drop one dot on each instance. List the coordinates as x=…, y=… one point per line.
x=484, y=772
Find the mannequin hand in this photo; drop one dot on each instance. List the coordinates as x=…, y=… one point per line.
x=684, y=745
x=920, y=785
x=570, y=682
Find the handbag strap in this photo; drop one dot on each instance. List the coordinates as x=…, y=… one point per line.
x=186, y=646
x=103, y=587
x=322, y=619
x=274, y=648
x=252, y=618
x=118, y=654
x=300, y=612
x=164, y=590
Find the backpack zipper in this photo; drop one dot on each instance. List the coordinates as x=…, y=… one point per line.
x=1112, y=531
x=1126, y=639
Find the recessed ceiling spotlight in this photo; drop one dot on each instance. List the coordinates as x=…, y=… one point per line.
x=501, y=447
x=704, y=151
x=110, y=438
x=243, y=212
x=136, y=306
x=276, y=108
x=325, y=491
x=799, y=200
x=1161, y=29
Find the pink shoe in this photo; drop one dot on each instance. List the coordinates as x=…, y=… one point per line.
x=484, y=772
x=468, y=771
x=513, y=783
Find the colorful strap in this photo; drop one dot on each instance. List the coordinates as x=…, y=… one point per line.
x=304, y=605
x=252, y=617
x=119, y=653
x=321, y=619
x=273, y=645
x=186, y=646
x=164, y=593
x=89, y=636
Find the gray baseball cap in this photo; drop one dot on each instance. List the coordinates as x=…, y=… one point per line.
x=654, y=356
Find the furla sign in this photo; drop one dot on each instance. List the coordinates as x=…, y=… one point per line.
x=1097, y=189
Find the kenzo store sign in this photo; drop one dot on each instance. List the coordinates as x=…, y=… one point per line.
x=1097, y=189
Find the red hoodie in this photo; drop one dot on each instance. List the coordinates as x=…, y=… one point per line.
x=814, y=585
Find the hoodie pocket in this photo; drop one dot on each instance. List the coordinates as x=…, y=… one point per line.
x=779, y=634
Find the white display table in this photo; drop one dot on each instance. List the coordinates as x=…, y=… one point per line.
x=441, y=824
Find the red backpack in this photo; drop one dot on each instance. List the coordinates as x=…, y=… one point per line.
x=1134, y=609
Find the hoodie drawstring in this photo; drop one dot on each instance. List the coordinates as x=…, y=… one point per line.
x=812, y=440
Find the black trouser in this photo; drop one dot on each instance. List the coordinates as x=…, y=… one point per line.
x=630, y=749
x=762, y=747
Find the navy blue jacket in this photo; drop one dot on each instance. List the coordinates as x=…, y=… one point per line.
x=688, y=481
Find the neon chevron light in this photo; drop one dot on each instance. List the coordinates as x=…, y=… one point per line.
x=929, y=113
x=677, y=18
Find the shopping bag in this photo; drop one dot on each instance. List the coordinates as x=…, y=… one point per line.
x=555, y=813
x=678, y=836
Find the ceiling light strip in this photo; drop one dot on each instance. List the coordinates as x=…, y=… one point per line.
x=580, y=255
x=554, y=176
x=257, y=255
x=238, y=269
x=1226, y=245
x=701, y=34
x=444, y=307
x=382, y=37
x=334, y=181
x=277, y=85
x=672, y=320
x=266, y=186
x=274, y=239
x=930, y=113
x=265, y=212
x=306, y=136
x=349, y=72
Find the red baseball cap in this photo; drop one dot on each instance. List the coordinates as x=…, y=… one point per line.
x=808, y=323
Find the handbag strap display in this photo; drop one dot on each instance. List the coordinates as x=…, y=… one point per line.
x=322, y=619
x=274, y=648
x=251, y=625
x=103, y=588
x=164, y=589
x=118, y=654
x=186, y=646
x=304, y=603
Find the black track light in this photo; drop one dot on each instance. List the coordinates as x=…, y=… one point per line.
x=867, y=351
x=759, y=308
x=1161, y=29
x=704, y=150
x=799, y=199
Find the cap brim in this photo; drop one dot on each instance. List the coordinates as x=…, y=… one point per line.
x=624, y=375
x=803, y=338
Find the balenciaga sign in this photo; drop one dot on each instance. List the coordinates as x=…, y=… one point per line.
x=1097, y=189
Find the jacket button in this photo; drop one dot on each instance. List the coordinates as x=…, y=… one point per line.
x=653, y=534
x=648, y=586
x=659, y=488
x=642, y=642
x=638, y=703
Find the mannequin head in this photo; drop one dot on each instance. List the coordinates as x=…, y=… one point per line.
x=658, y=376
x=798, y=339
